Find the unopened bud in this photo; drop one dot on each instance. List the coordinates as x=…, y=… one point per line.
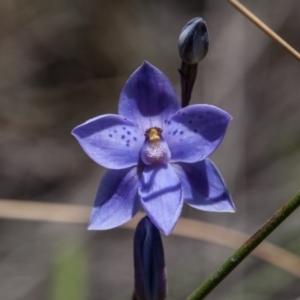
x=149, y=263
x=193, y=41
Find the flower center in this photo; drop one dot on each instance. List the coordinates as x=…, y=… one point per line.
x=155, y=149
x=153, y=134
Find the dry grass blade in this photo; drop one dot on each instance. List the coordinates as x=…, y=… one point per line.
x=77, y=214
x=247, y=13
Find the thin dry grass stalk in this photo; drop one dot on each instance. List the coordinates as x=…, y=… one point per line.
x=247, y=13
x=79, y=214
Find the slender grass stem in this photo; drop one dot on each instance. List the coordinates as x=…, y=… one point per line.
x=240, y=254
x=247, y=13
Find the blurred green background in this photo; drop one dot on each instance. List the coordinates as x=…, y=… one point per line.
x=63, y=62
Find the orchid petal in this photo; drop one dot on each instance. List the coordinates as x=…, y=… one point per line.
x=161, y=196
x=111, y=141
x=203, y=186
x=148, y=98
x=116, y=200
x=195, y=131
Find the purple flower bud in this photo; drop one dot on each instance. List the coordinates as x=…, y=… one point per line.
x=149, y=263
x=193, y=41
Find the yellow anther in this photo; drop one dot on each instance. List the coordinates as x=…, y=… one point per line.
x=153, y=134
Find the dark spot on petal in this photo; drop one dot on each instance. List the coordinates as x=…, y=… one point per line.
x=200, y=117
x=195, y=130
x=123, y=136
x=181, y=132
x=166, y=121
x=190, y=122
x=174, y=132
x=169, y=122
x=128, y=132
x=110, y=135
x=115, y=131
x=135, y=138
x=124, y=128
x=127, y=145
x=127, y=141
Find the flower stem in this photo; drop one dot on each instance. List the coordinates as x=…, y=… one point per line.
x=239, y=255
x=188, y=74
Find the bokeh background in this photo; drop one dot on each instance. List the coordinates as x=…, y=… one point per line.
x=63, y=62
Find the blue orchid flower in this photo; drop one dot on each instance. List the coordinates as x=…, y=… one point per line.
x=157, y=153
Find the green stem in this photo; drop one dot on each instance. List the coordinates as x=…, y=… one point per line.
x=239, y=255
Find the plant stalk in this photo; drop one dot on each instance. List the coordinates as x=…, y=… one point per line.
x=240, y=254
